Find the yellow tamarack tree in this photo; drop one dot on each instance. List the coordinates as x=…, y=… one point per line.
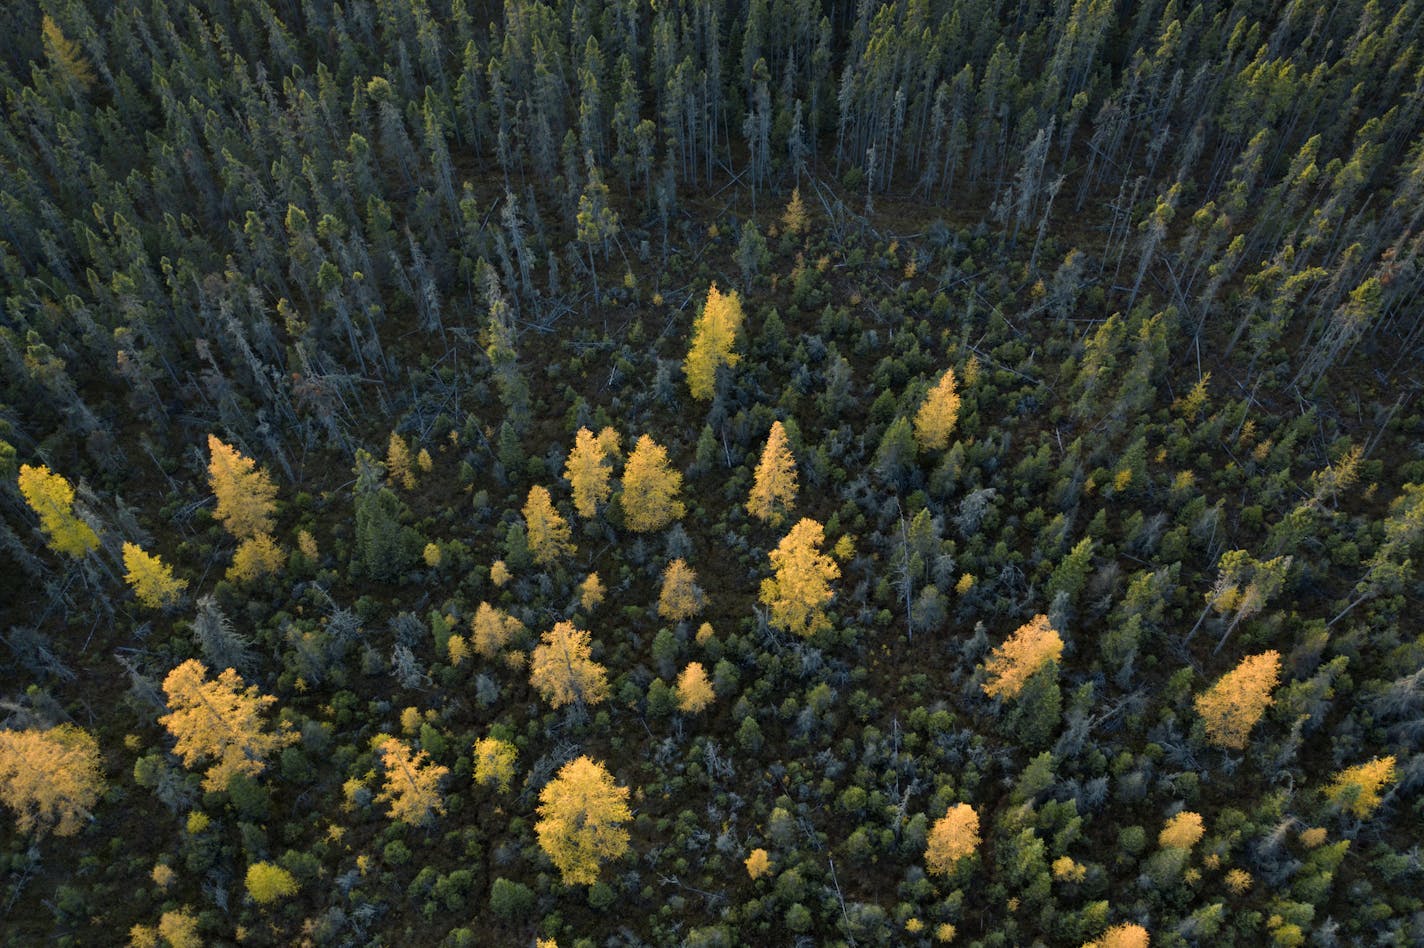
x=50, y=778
x=650, y=488
x=1232, y=706
x=246, y=495
x=591, y=592
x=494, y=762
x=1182, y=831
x=938, y=414
x=801, y=586
x=152, y=581
x=953, y=837
x=562, y=668
x=1126, y=935
x=492, y=629
x=549, y=534
x=51, y=497
x=1357, y=789
x=412, y=783
x=1033, y=645
x=581, y=817
x=589, y=467
x=774, y=490
x=795, y=219
x=694, y=691
x=681, y=597
x=222, y=721
x=399, y=468
x=714, y=334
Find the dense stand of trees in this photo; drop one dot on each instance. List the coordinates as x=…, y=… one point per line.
x=409, y=535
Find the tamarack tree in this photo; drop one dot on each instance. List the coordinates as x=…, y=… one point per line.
x=220, y=720
x=50, y=778
x=801, y=585
x=581, y=817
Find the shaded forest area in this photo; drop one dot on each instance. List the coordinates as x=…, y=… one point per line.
x=697, y=473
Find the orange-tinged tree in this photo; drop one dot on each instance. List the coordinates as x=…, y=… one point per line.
x=411, y=785
x=694, y=691
x=1357, y=789
x=681, y=597
x=801, y=587
x=254, y=558
x=176, y=929
x=246, y=495
x=774, y=490
x=795, y=219
x=51, y=497
x=758, y=863
x=51, y=778
x=549, y=535
x=1126, y=935
x=650, y=488
x=64, y=55
x=581, y=817
x=589, y=467
x=494, y=762
x=714, y=335
x=492, y=629
x=591, y=591
x=938, y=414
x=1010, y=666
x=1232, y=706
x=1182, y=831
x=153, y=582
x=562, y=668
x=953, y=837
x=222, y=721
x=398, y=462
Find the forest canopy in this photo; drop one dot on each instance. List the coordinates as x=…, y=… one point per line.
x=710, y=472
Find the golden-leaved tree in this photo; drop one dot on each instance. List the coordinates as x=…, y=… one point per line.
x=694, y=691
x=494, y=762
x=1357, y=789
x=492, y=629
x=549, y=535
x=1126, y=935
x=953, y=837
x=1232, y=706
x=650, y=488
x=801, y=586
x=591, y=592
x=589, y=467
x=399, y=468
x=938, y=414
x=1010, y=666
x=51, y=497
x=222, y=721
x=51, y=778
x=152, y=580
x=254, y=558
x=581, y=817
x=714, y=335
x=562, y=668
x=681, y=597
x=1182, y=831
x=795, y=219
x=69, y=64
x=774, y=490
x=246, y=495
x=411, y=785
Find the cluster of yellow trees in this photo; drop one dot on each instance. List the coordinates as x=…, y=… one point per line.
x=52, y=777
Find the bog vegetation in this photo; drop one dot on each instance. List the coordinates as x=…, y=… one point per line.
x=709, y=473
